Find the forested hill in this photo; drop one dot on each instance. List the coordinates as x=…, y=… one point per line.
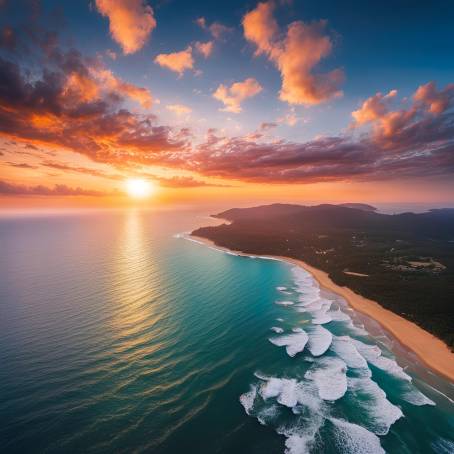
x=404, y=261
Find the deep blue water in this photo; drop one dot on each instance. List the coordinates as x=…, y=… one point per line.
x=118, y=335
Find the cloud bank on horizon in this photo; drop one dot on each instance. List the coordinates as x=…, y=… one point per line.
x=114, y=109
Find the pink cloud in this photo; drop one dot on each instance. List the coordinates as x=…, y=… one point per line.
x=388, y=124
x=76, y=107
x=96, y=80
x=40, y=190
x=436, y=101
x=233, y=96
x=179, y=109
x=177, y=62
x=130, y=22
x=206, y=49
x=201, y=22
x=216, y=29
x=115, y=84
x=296, y=55
x=373, y=108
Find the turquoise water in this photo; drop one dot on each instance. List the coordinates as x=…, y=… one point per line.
x=118, y=335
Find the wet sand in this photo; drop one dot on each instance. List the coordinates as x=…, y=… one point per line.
x=430, y=350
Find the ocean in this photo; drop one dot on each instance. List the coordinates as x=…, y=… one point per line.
x=118, y=333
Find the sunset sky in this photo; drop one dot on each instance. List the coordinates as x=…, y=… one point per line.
x=232, y=102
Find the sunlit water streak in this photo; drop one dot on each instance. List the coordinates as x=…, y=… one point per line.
x=117, y=335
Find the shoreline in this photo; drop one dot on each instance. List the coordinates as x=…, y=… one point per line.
x=430, y=350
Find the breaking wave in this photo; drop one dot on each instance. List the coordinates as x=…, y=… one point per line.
x=335, y=376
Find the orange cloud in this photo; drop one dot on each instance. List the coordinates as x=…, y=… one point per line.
x=130, y=22
x=205, y=49
x=261, y=28
x=81, y=87
x=436, y=101
x=373, y=108
x=290, y=118
x=53, y=110
x=115, y=84
x=233, y=96
x=179, y=109
x=178, y=62
x=391, y=127
x=296, y=55
x=90, y=84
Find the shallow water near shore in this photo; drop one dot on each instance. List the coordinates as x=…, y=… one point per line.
x=118, y=334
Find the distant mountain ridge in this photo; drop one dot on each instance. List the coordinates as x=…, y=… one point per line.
x=437, y=222
x=359, y=206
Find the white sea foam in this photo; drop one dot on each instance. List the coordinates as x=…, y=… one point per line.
x=390, y=366
x=308, y=296
x=297, y=444
x=373, y=355
x=301, y=436
x=440, y=393
x=314, y=306
x=329, y=375
x=297, y=330
x=415, y=397
x=285, y=391
x=267, y=415
x=379, y=413
x=285, y=303
x=319, y=340
x=303, y=398
x=319, y=311
x=288, y=395
x=353, y=439
x=225, y=251
x=346, y=350
x=281, y=289
x=306, y=285
x=294, y=343
x=280, y=320
x=271, y=388
x=443, y=446
x=339, y=316
x=247, y=399
x=321, y=318
x=300, y=440
x=277, y=329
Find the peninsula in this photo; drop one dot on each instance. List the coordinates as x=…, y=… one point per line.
x=398, y=269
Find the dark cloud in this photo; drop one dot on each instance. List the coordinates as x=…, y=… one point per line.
x=8, y=39
x=39, y=190
x=77, y=104
x=79, y=169
x=422, y=145
x=186, y=182
x=22, y=165
x=267, y=126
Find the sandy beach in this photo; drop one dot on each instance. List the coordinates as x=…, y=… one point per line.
x=430, y=350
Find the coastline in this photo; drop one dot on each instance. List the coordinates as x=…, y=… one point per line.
x=430, y=350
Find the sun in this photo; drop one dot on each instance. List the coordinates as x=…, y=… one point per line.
x=139, y=188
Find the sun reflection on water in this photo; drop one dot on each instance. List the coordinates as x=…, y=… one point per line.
x=135, y=281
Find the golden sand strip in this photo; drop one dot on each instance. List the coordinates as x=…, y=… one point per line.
x=430, y=350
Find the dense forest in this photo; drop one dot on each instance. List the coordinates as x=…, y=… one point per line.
x=403, y=261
